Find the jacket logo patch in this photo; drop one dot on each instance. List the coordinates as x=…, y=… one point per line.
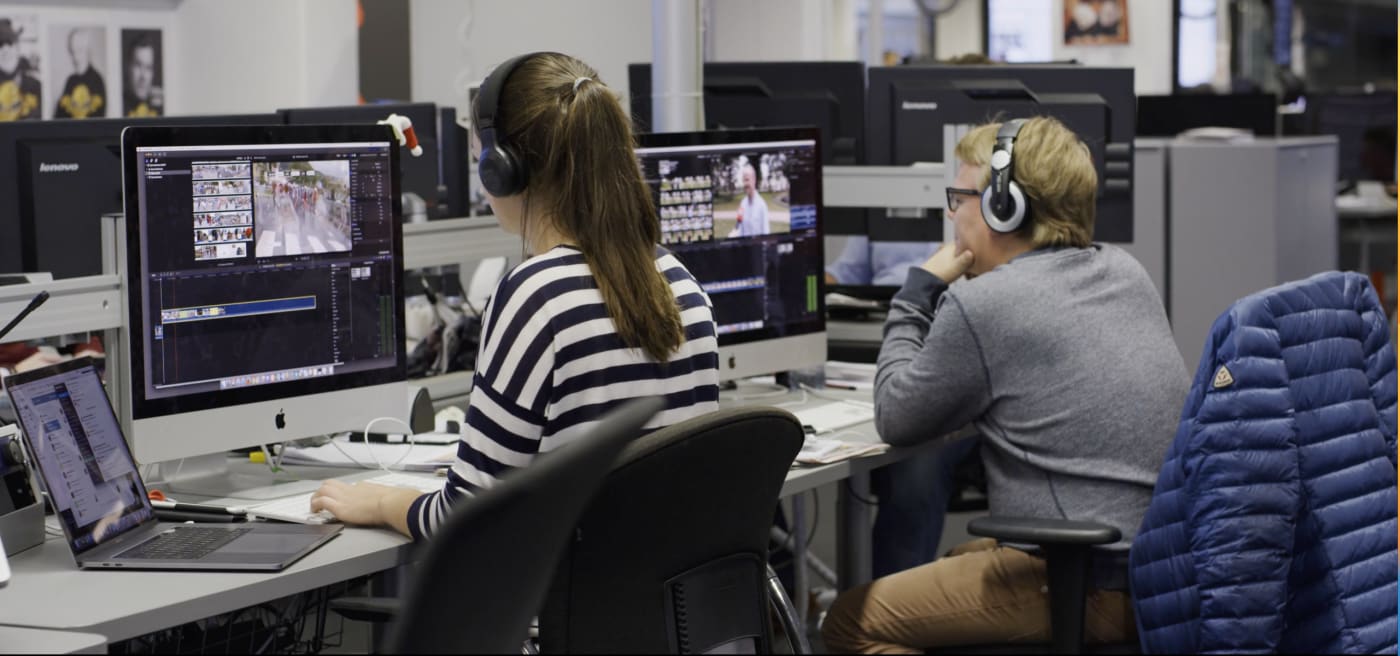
x=1223, y=378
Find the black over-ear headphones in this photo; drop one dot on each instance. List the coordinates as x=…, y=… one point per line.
x=500, y=168
x=1004, y=205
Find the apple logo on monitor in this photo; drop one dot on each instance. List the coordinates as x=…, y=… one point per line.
x=280, y=420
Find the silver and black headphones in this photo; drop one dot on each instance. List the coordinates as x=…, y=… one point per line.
x=1004, y=206
x=501, y=170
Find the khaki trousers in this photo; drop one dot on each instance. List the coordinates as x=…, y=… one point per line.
x=980, y=593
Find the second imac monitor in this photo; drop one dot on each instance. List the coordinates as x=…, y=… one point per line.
x=264, y=284
x=741, y=210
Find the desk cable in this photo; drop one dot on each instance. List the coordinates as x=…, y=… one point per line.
x=774, y=391
x=380, y=465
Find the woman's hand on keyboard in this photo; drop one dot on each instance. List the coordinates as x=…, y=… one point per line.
x=357, y=503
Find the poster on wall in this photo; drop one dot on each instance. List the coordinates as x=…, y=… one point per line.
x=143, y=73
x=1096, y=22
x=77, y=65
x=21, y=92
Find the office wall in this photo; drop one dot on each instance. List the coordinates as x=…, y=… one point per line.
x=959, y=31
x=457, y=42
x=258, y=55
x=782, y=30
x=1149, y=49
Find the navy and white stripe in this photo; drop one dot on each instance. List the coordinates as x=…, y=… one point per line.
x=551, y=364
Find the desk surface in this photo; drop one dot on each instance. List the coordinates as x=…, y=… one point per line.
x=48, y=591
x=18, y=640
x=1357, y=208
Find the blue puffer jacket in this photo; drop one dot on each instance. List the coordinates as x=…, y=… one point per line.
x=1272, y=528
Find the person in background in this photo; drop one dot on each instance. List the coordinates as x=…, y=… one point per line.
x=880, y=263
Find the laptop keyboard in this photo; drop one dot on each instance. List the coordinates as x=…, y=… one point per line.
x=185, y=543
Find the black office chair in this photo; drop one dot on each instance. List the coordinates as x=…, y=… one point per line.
x=485, y=572
x=1068, y=547
x=671, y=555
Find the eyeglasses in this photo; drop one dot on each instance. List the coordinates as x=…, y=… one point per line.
x=953, y=192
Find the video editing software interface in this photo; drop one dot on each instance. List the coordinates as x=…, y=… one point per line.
x=743, y=220
x=265, y=264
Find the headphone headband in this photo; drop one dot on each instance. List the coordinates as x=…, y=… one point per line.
x=501, y=171
x=490, y=93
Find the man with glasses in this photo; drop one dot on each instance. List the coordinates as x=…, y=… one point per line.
x=1058, y=350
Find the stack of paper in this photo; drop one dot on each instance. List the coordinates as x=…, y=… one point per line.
x=850, y=375
x=822, y=451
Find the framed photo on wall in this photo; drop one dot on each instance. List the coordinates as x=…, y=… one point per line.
x=1096, y=22
x=78, y=68
x=143, y=73
x=21, y=91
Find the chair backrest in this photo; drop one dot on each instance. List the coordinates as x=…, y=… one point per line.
x=665, y=557
x=1273, y=523
x=486, y=570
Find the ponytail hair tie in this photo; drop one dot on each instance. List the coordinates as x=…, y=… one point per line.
x=580, y=81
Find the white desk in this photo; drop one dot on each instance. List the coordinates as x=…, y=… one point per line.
x=47, y=591
x=17, y=640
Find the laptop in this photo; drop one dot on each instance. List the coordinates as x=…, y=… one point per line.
x=76, y=443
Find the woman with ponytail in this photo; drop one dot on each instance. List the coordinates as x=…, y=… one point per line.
x=598, y=314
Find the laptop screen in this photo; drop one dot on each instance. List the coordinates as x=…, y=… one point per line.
x=74, y=438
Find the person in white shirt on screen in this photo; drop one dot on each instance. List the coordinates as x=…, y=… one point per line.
x=753, y=211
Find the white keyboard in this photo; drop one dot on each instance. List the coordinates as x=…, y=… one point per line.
x=834, y=415
x=297, y=508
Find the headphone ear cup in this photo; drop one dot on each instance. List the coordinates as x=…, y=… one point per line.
x=500, y=173
x=1016, y=214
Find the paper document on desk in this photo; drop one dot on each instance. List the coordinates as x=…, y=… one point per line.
x=852, y=375
x=420, y=457
x=823, y=451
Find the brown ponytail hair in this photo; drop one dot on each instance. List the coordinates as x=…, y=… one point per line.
x=575, y=139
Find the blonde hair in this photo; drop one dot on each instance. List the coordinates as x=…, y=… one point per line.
x=1054, y=169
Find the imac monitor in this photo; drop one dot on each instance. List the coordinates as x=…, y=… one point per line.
x=66, y=174
x=263, y=283
x=422, y=175
x=909, y=106
x=741, y=209
x=827, y=94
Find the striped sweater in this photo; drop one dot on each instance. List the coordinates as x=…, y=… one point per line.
x=551, y=364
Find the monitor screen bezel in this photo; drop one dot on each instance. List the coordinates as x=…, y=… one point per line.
x=758, y=136
x=252, y=136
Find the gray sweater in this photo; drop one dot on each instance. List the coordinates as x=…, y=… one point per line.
x=1062, y=359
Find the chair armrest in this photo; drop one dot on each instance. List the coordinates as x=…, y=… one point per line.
x=1060, y=532
x=367, y=609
